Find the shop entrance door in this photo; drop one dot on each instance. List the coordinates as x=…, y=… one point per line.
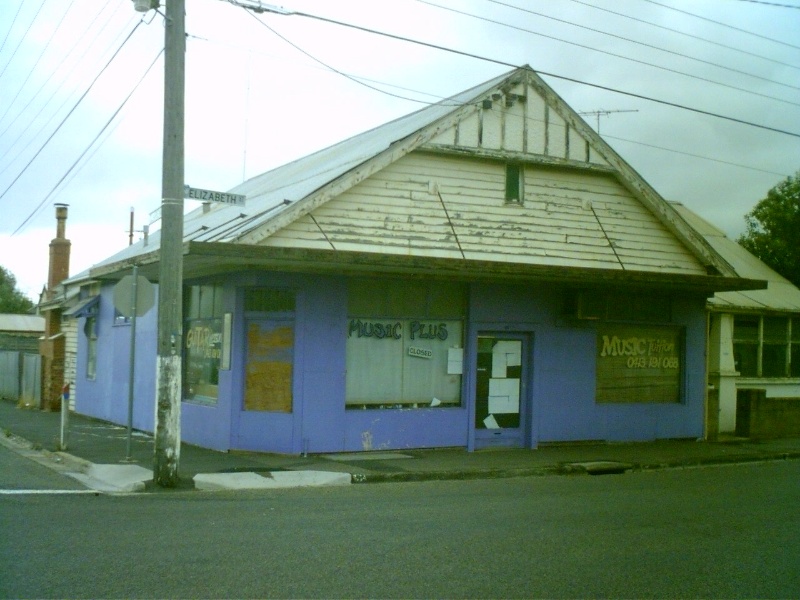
x=501, y=405
x=264, y=420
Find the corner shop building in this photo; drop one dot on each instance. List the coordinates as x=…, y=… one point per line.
x=483, y=272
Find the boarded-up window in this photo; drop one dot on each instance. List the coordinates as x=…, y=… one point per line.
x=638, y=364
x=268, y=378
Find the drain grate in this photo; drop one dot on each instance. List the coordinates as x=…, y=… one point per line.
x=600, y=467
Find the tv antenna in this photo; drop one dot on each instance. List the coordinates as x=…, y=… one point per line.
x=603, y=113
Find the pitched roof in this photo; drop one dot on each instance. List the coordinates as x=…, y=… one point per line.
x=273, y=192
x=21, y=323
x=283, y=195
x=780, y=295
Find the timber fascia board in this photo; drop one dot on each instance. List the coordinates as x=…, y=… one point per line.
x=354, y=263
x=120, y=268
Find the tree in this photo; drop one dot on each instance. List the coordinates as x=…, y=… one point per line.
x=773, y=229
x=11, y=299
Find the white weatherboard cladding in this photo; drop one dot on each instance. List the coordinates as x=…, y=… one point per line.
x=520, y=121
x=568, y=218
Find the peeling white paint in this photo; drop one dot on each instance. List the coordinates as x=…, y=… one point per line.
x=168, y=418
x=366, y=440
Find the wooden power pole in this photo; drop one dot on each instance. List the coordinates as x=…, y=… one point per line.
x=170, y=289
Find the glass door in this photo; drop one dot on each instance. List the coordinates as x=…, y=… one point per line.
x=500, y=399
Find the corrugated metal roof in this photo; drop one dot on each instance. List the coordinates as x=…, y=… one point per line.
x=780, y=295
x=21, y=323
x=270, y=193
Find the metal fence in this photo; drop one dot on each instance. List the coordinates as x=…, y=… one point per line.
x=20, y=377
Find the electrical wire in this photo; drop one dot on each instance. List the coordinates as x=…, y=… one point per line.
x=11, y=27
x=22, y=39
x=329, y=67
x=323, y=67
x=113, y=116
x=622, y=38
x=47, y=102
x=74, y=107
x=529, y=118
x=684, y=33
x=772, y=4
x=50, y=38
x=545, y=73
x=615, y=55
x=696, y=16
x=440, y=100
x=716, y=160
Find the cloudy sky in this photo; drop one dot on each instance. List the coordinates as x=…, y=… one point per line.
x=81, y=96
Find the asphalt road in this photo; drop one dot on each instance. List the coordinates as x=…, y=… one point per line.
x=723, y=532
x=19, y=474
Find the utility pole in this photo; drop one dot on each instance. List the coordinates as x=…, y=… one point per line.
x=170, y=283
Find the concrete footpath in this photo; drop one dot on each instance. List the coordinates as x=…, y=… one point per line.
x=97, y=456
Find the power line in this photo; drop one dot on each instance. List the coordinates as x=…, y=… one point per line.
x=113, y=116
x=75, y=106
x=327, y=66
x=11, y=27
x=700, y=156
x=510, y=65
x=623, y=57
x=684, y=33
x=625, y=39
x=47, y=102
x=772, y=4
x=50, y=38
x=323, y=67
x=528, y=118
x=22, y=39
x=696, y=16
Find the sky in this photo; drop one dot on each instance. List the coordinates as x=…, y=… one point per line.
x=81, y=97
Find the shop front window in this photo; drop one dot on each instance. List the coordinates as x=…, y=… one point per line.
x=404, y=344
x=203, y=337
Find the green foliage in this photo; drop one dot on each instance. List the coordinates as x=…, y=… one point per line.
x=773, y=229
x=11, y=299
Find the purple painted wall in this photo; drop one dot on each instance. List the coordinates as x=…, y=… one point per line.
x=106, y=397
x=560, y=390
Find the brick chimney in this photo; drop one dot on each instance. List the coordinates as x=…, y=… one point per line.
x=52, y=345
x=59, y=253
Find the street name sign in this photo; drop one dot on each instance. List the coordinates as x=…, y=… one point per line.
x=212, y=196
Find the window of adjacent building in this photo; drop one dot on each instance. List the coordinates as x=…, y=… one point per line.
x=90, y=329
x=766, y=346
x=404, y=343
x=203, y=335
x=514, y=188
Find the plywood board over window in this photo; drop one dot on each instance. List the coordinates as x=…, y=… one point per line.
x=268, y=379
x=638, y=364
